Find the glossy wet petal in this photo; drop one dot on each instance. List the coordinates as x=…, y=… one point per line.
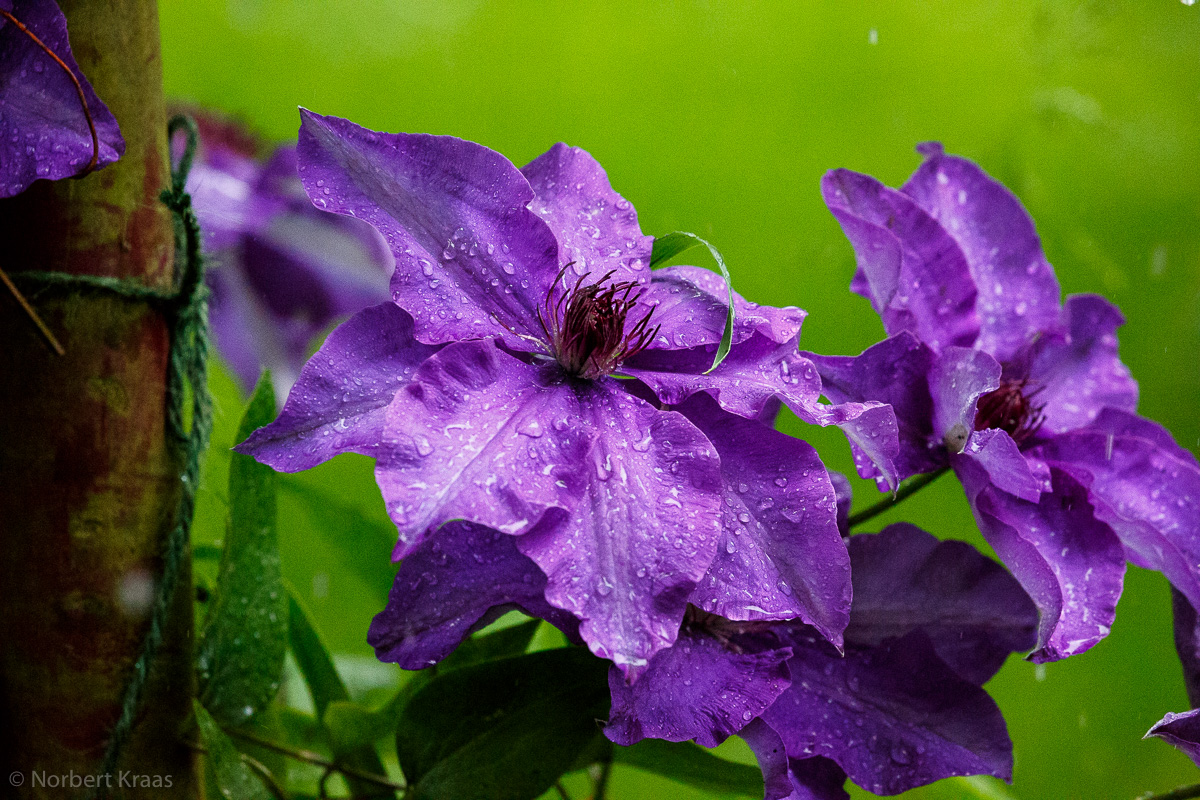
x=780, y=555
x=792, y=778
x=43, y=127
x=459, y=580
x=1182, y=731
x=339, y=403
x=973, y=611
x=472, y=261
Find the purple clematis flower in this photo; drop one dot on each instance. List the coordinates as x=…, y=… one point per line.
x=1024, y=398
x=520, y=297
x=280, y=270
x=52, y=124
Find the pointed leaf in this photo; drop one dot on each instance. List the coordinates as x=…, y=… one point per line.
x=233, y=779
x=671, y=245
x=692, y=765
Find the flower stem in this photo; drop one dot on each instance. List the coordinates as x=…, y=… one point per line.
x=1182, y=793
x=601, y=784
x=906, y=491
x=315, y=758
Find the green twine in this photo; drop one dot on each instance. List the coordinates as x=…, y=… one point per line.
x=185, y=309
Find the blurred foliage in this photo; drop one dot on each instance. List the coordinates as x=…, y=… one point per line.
x=719, y=118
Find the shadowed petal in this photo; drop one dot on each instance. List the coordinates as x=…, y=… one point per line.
x=700, y=688
x=1018, y=293
x=472, y=261
x=596, y=228
x=973, y=611
x=43, y=127
x=780, y=555
x=1187, y=642
x=1182, y=731
x=459, y=580
x=1071, y=564
x=917, y=277
x=792, y=778
x=339, y=403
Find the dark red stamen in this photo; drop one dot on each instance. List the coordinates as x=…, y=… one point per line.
x=91, y=165
x=1010, y=408
x=586, y=324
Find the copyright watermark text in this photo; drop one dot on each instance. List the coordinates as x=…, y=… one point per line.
x=125, y=779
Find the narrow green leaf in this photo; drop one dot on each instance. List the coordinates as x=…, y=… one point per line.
x=504, y=729
x=240, y=654
x=671, y=245
x=232, y=778
x=692, y=765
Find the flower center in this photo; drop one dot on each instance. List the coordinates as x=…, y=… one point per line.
x=586, y=325
x=1010, y=408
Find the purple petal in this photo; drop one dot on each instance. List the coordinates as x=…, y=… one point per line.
x=872, y=430
x=780, y=555
x=458, y=581
x=43, y=126
x=339, y=403
x=1147, y=492
x=973, y=611
x=481, y=436
x=245, y=335
x=700, y=688
x=472, y=261
x=1077, y=373
x=957, y=379
x=1006, y=467
x=1070, y=563
x=596, y=228
x=917, y=276
x=644, y=528
x=893, y=717
x=1018, y=293
x=894, y=371
x=792, y=778
x=845, y=498
x=222, y=179
x=1182, y=731
x=1187, y=642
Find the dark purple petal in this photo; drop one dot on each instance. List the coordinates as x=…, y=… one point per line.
x=481, y=436
x=845, y=498
x=1076, y=372
x=245, y=335
x=894, y=371
x=893, y=717
x=596, y=228
x=1018, y=293
x=472, y=261
x=1070, y=563
x=917, y=277
x=780, y=555
x=459, y=580
x=43, y=126
x=339, y=403
x=643, y=530
x=973, y=611
x=1187, y=643
x=700, y=688
x=1147, y=492
x=792, y=778
x=1182, y=731
x=872, y=431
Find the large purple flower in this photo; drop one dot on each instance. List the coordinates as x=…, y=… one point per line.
x=52, y=124
x=280, y=270
x=1024, y=398
x=520, y=296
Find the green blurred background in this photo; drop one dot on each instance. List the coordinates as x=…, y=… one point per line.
x=719, y=118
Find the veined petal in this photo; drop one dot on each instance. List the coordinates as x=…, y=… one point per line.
x=457, y=581
x=1076, y=373
x=43, y=127
x=1070, y=563
x=1018, y=293
x=1182, y=731
x=780, y=555
x=472, y=261
x=643, y=529
x=596, y=228
x=700, y=688
x=1006, y=467
x=339, y=403
x=917, y=275
x=893, y=717
x=481, y=436
x=973, y=611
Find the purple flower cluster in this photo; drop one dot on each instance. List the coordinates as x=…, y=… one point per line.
x=552, y=435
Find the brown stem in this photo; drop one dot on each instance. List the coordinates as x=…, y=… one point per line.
x=87, y=113
x=46, y=333
x=317, y=759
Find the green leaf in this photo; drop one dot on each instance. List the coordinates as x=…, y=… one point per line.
x=328, y=691
x=240, y=654
x=671, y=245
x=232, y=778
x=692, y=765
x=504, y=729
